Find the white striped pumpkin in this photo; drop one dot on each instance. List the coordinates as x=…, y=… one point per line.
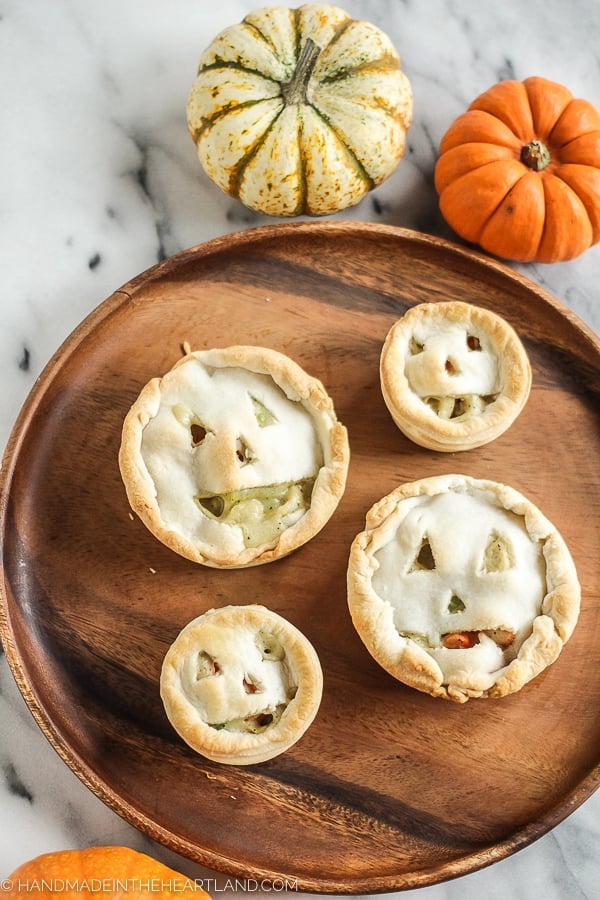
x=300, y=111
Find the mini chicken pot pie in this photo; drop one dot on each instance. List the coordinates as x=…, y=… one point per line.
x=461, y=587
x=241, y=684
x=454, y=376
x=235, y=457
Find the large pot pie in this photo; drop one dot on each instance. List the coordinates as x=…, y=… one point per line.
x=235, y=457
x=454, y=376
x=241, y=684
x=461, y=588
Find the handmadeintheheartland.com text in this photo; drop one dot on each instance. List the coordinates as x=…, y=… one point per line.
x=149, y=886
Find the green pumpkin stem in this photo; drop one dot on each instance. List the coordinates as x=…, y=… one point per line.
x=294, y=91
x=535, y=155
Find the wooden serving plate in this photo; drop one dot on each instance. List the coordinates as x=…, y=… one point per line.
x=389, y=789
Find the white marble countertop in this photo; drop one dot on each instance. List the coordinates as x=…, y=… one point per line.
x=100, y=180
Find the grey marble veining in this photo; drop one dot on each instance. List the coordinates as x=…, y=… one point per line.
x=100, y=180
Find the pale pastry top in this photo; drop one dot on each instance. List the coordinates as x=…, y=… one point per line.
x=238, y=674
x=481, y=572
x=241, y=684
x=454, y=376
x=254, y=436
x=234, y=457
x=446, y=366
x=460, y=587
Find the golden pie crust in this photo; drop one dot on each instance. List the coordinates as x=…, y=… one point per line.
x=235, y=457
x=460, y=587
x=454, y=376
x=241, y=684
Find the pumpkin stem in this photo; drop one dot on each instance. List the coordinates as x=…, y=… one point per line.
x=294, y=91
x=535, y=155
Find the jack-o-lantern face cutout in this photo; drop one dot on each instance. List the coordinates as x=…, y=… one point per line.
x=234, y=457
x=241, y=684
x=242, y=691
x=454, y=376
x=455, y=372
x=461, y=587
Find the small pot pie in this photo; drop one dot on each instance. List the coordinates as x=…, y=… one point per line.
x=454, y=376
x=241, y=684
x=235, y=457
x=461, y=588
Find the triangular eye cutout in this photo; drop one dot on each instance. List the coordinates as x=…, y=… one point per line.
x=424, y=560
x=198, y=433
x=498, y=554
x=415, y=346
x=206, y=665
x=264, y=416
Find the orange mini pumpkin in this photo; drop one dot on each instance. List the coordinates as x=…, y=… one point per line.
x=112, y=873
x=519, y=172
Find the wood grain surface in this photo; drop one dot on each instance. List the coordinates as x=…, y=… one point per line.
x=389, y=789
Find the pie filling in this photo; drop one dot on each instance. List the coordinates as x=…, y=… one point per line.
x=261, y=513
x=463, y=640
x=254, y=724
x=459, y=408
